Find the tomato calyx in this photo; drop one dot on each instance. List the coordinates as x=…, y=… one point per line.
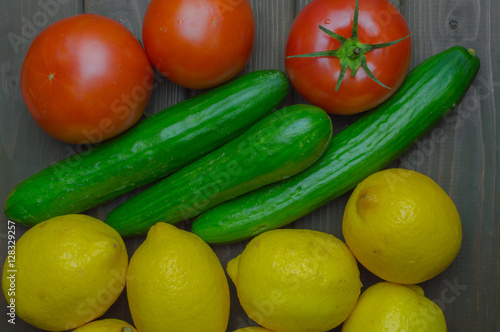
x=351, y=52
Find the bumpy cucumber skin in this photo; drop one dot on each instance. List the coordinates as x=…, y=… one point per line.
x=277, y=147
x=370, y=144
x=154, y=148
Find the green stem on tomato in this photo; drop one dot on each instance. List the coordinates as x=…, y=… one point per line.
x=354, y=34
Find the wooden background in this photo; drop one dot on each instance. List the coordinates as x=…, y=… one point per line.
x=466, y=164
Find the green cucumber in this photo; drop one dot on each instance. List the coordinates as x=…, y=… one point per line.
x=156, y=147
x=277, y=147
x=368, y=145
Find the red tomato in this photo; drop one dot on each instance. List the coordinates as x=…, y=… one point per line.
x=86, y=78
x=199, y=44
x=315, y=78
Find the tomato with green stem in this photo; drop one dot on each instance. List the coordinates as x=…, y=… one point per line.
x=348, y=56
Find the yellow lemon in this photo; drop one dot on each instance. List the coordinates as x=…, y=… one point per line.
x=106, y=325
x=291, y=280
x=389, y=307
x=68, y=271
x=402, y=226
x=253, y=329
x=176, y=283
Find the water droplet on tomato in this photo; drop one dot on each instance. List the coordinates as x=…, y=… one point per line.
x=328, y=21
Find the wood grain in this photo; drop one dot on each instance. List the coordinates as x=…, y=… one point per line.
x=462, y=154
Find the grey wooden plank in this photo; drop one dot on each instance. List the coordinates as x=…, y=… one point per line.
x=273, y=19
x=493, y=176
x=462, y=162
x=24, y=147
